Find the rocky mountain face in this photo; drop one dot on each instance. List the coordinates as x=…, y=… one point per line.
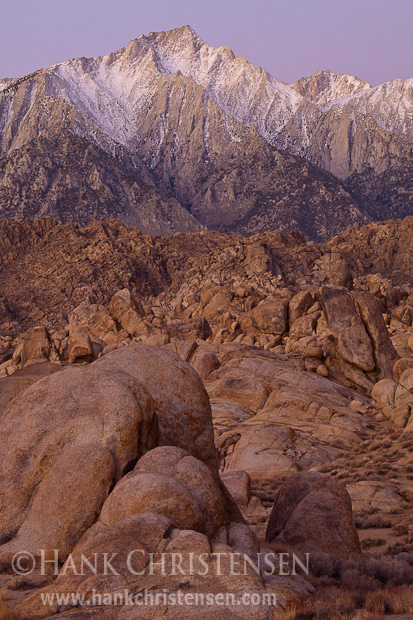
x=66, y=177
x=206, y=393
x=324, y=87
x=209, y=131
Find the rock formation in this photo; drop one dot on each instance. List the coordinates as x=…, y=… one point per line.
x=200, y=393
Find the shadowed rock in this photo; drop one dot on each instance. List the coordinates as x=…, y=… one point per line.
x=312, y=513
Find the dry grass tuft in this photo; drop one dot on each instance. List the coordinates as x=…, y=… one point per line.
x=391, y=600
x=16, y=583
x=5, y=613
x=290, y=613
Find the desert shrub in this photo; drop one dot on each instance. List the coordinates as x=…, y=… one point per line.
x=405, y=556
x=401, y=529
x=323, y=565
x=353, y=580
x=368, y=574
x=365, y=521
x=392, y=571
x=359, y=590
x=372, y=542
x=339, y=603
x=395, y=549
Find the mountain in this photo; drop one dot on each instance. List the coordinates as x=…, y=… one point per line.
x=361, y=134
x=173, y=134
x=324, y=87
x=67, y=177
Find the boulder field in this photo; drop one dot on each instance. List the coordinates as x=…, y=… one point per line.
x=234, y=396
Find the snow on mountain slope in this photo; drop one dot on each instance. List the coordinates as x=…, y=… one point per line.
x=179, y=115
x=324, y=87
x=111, y=91
x=114, y=94
x=390, y=104
x=242, y=90
x=4, y=82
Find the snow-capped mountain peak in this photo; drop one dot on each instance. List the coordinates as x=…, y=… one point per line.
x=324, y=87
x=112, y=90
x=115, y=92
x=179, y=115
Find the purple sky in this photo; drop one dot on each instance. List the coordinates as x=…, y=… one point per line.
x=290, y=38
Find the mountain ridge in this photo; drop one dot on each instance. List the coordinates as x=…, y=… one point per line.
x=179, y=111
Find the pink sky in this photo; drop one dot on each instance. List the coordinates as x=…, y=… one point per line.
x=290, y=38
